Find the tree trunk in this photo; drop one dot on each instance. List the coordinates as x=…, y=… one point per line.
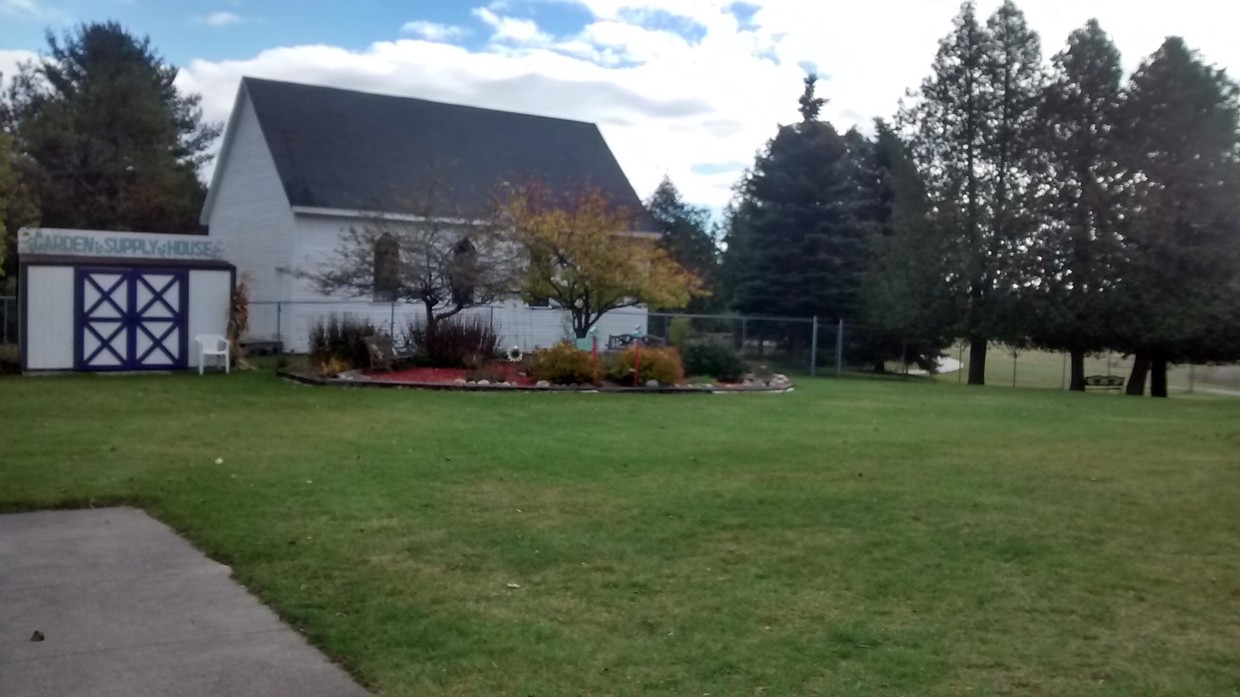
x=1158, y=376
x=1136, y=380
x=977, y=361
x=1077, y=382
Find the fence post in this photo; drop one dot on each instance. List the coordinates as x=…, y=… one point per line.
x=392, y=321
x=279, y=326
x=1063, y=374
x=839, y=349
x=813, y=349
x=960, y=360
x=1014, y=354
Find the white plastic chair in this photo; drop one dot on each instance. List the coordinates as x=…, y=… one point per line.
x=211, y=345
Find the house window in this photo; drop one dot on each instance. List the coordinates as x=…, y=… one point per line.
x=463, y=272
x=387, y=267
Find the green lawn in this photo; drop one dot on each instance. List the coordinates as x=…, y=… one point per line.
x=852, y=538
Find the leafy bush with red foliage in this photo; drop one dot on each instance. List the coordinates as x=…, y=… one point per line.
x=455, y=343
x=662, y=364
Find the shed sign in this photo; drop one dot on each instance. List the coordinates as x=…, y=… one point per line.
x=131, y=245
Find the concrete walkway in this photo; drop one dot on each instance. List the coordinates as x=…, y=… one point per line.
x=127, y=608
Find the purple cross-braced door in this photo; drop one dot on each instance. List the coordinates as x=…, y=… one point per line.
x=131, y=319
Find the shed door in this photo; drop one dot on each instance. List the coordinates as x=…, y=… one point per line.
x=131, y=319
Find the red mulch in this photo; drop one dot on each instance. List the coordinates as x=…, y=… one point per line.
x=446, y=376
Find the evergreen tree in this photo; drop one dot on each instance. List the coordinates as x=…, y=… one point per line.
x=687, y=239
x=113, y=144
x=972, y=131
x=1177, y=287
x=909, y=315
x=16, y=207
x=795, y=246
x=1079, y=244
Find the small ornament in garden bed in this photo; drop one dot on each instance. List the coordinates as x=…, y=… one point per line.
x=514, y=355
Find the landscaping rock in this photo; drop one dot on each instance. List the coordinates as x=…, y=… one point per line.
x=459, y=381
x=652, y=383
x=779, y=381
x=484, y=382
x=542, y=383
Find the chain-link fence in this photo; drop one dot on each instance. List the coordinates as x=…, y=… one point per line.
x=1016, y=367
x=803, y=345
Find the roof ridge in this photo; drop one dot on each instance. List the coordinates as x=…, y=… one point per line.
x=249, y=79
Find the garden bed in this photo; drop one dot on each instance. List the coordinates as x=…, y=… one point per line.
x=515, y=380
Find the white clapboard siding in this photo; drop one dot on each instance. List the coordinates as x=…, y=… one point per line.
x=248, y=211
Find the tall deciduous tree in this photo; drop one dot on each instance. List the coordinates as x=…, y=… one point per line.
x=687, y=239
x=796, y=247
x=581, y=252
x=971, y=134
x=1181, y=119
x=1080, y=241
x=114, y=144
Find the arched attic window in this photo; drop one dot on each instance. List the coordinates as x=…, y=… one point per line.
x=387, y=267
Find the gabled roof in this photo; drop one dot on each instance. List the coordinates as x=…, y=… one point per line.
x=346, y=150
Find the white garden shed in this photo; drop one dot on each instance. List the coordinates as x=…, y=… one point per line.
x=94, y=300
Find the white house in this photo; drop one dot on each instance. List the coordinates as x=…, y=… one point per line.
x=301, y=164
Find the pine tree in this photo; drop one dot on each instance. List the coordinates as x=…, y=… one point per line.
x=909, y=315
x=1181, y=120
x=796, y=248
x=1087, y=203
x=686, y=237
x=972, y=131
x=113, y=143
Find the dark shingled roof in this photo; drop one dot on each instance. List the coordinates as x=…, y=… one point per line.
x=336, y=148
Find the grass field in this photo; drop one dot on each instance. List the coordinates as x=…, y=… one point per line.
x=851, y=538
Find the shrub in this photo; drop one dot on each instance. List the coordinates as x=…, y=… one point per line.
x=339, y=339
x=679, y=332
x=455, y=342
x=331, y=366
x=716, y=359
x=662, y=364
x=563, y=364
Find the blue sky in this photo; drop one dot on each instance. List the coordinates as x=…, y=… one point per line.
x=691, y=89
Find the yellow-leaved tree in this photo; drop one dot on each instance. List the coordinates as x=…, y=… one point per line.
x=582, y=253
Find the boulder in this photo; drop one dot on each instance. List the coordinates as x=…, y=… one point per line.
x=652, y=383
x=542, y=383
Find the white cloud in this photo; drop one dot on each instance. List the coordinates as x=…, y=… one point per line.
x=220, y=19
x=28, y=7
x=434, y=31
x=9, y=61
x=698, y=108
x=511, y=30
